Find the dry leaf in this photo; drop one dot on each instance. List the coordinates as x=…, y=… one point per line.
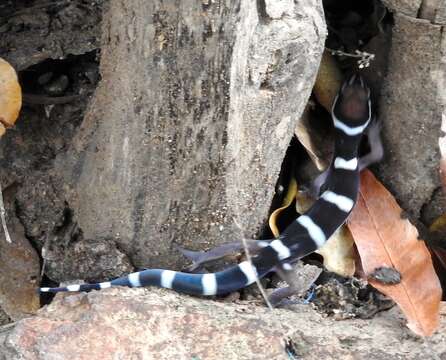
x=384, y=239
x=10, y=96
x=317, y=144
x=314, y=143
x=290, y=195
x=339, y=254
x=328, y=81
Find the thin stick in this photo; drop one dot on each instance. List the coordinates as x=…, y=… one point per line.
x=248, y=258
x=3, y=216
x=7, y=327
x=364, y=57
x=259, y=284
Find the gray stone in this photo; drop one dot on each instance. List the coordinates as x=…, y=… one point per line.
x=405, y=7
x=160, y=324
x=19, y=268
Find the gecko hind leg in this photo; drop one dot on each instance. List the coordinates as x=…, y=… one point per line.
x=285, y=272
x=376, y=152
x=199, y=258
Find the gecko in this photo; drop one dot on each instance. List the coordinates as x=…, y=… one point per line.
x=338, y=187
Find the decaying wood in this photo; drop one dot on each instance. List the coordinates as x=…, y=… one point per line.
x=188, y=128
x=410, y=110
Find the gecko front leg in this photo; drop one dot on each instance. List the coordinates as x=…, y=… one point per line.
x=375, y=155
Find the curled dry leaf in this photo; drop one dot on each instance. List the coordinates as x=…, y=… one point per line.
x=328, y=81
x=10, y=96
x=384, y=239
x=290, y=195
x=318, y=145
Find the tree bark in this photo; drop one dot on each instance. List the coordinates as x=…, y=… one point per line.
x=184, y=139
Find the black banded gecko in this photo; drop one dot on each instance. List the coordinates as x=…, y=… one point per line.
x=351, y=114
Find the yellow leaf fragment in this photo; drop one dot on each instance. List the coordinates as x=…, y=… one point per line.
x=328, y=81
x=339, y=254
x=10, y=96
x=439, y=224
x=290, y=195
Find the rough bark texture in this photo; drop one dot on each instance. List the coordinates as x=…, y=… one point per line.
x=158, y=324
x=30, y=34
x=410, y=109
x=406, y=7
x=185, y=136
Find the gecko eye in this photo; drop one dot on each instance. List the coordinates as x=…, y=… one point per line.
x=353, y=101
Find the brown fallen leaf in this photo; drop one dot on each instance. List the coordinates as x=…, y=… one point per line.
x=328, y=81
x=10, y=96
x=339, y=253
x=384, y=239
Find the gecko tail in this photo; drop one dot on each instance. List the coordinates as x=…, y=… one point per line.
x=75, y=288
x=131, y=280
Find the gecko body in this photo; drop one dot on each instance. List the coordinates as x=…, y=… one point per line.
x=351, y=114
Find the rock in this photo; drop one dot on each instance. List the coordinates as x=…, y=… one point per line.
x=90, y=260
x=160, y=324
x=185, y=137
x=19, y=269
x=52, y=227
x=304, y=276
x=410, y=110
x=406, y=7
x=41, y=206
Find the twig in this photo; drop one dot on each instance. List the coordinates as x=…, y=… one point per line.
x=7, y=327
x=248, y=258
x=3, y=216
x=364, y=57
x=48, y=100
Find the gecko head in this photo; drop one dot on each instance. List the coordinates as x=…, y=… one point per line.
x=352, y=104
